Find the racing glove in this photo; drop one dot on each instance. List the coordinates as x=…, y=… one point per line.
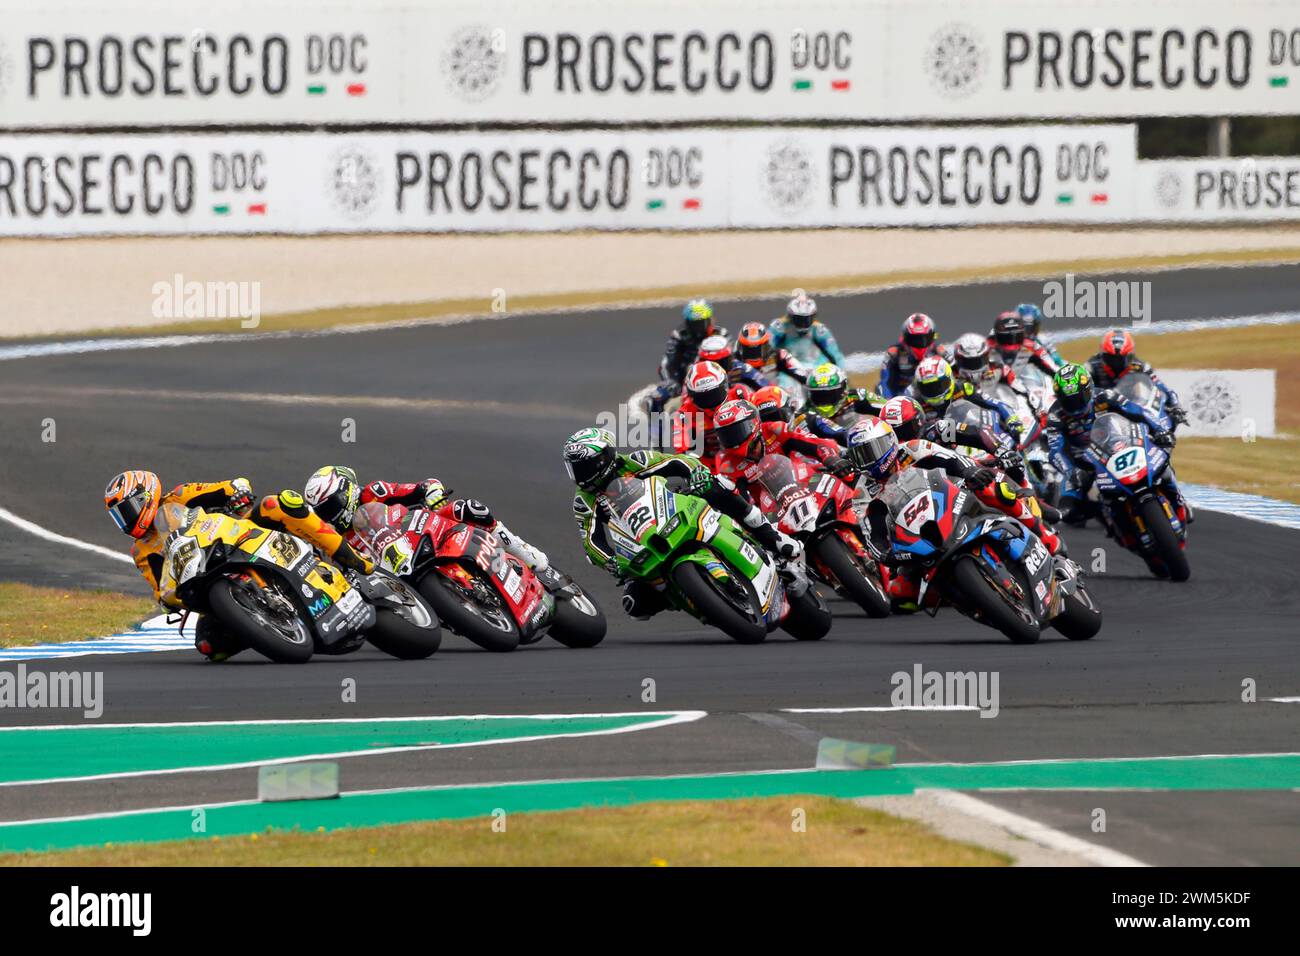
x=1165, y=439
x=701, y=482
x=840, y=467
x=1178, y=415
x=978, y=478
x=242, y=500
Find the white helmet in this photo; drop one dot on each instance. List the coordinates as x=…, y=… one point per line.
x=970, y=355
x=802, y=310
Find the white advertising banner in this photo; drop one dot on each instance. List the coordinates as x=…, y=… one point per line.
x=148, y=63
x=685, y=178
x=1247, y=188
x=1225, y=403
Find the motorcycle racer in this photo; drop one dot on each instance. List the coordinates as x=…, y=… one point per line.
x=972, y=361
x=936, y=388
x=1069, y=435
x=1012, y=345
x=1033, y=319
x=832, y=406
x=682, y=349
x=757, y=351
x=718, y=350
x=774, y=404
x=801, y=334
x=917, y=340
x=745, y=438
x=592, y=461
x=133, y=498
x=1117, y=359
x=707, y=387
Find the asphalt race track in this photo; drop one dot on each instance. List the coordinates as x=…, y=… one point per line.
x=485, y=406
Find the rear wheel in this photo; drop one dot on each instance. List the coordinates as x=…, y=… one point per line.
x=852, y=576
x=409, y=630
x=735, y=616
x=994, y=608
x=809, y=619
x=1165, y=539
x=263, y=617
x=476, y=612
x=578, y=621
x=1081, y=618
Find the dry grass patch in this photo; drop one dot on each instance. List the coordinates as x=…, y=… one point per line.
x=36, y=615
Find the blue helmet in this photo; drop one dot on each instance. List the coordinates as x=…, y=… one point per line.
x=1032, y=315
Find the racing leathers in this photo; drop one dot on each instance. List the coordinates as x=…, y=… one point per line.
x=465, y=510
x=779, y=438
x=1069, y=439
x=810, y=347
x=965, y=390
x=898, y=367
x=1104, y=377
x=640, y=598
x=857, y=402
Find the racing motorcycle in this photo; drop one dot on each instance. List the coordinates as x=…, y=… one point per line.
x=706, y=564
x=1136, y=493
x=985, y=564
x=480, y=590
x=276, y=594
x=819, y=509
x=1137, y=387
x=1038, y=470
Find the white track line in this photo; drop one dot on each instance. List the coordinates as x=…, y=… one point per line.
x=30, y=528
x=873, y=710
x=1032, y=830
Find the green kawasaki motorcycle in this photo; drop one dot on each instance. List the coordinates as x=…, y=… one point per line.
x=709, y=567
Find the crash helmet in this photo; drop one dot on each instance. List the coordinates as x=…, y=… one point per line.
x=934, y=382
x=697, y=319
x=971, y=355
x=132, y=501
x=1073, y=387
x=1009, y=335
x=715, y=348
x=591, y=457
x=738, y=426
x=827, y=386
x=754, y=344
x=774, y=404
x=873, y=448
x=1116, y=350
x=1032, y=316
x=707, y=385
x=334, y=494
x=918, y=334
x=801, y=311
x=905, y=416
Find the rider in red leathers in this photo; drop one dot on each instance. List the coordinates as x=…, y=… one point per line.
x=744, y=438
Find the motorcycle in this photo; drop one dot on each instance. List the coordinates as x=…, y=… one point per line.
x=705, y=564
x=480, y=590
x=819, y=510
x=1138, y=388
x=276, y=594
x=987, y=565
x=1136, y=494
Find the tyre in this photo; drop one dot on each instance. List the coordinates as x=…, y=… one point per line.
x=409, y=632
x=993, y=608
x=1081, y=618
x=720, y=609
x=578, y=621
x=853, y=578
x=487, y=624
x=1165, y=540
x=263, y=618
x=809, y=618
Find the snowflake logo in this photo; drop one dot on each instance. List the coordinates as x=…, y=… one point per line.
x=956, y=60
x=474, y=62
x=786, y=176
x=353, y=181
x=1214, y=400
x=1169, y=189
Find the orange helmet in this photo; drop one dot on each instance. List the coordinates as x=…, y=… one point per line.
x=1116, y=350
x=132, y=501
x=754, y=344
x=773, y=403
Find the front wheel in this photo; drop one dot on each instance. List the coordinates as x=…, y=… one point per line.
x=1080, y=618
x=476, y=613
x=729, y=612
x=1168, y=549
x=262, y=617
x=852, y=577
x=409, y=630
x=579, y=622
x=992, y=606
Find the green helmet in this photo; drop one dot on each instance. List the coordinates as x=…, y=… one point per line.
x=1073, y=387
x=827, y=386
x=591, y=457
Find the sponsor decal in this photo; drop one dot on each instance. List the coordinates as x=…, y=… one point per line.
x=787, y=175
x=956, y=60
x=1213, y=400
x=474, y=62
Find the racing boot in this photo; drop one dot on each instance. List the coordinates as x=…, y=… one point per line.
x=214, y=641
x=535, y=558
x=641, y=601
x=289, y=511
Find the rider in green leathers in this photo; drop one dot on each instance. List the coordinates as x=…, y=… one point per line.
x=592, y=460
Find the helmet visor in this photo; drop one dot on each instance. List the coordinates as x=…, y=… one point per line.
x=587, y=471
x=972, y=363
x=827, y=396
x=1009, y=338
x=918, y=340
x=1114, y=361
x=752, y=352
x=934, y=390
x=869, y=455
x=1075, y=402
x=738, y=433
x=710, y=398
x=127, y=512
